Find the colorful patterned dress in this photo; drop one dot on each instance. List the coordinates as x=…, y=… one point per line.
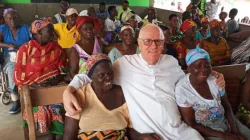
x=84, y=55
x=36, y=64
x=217, y=52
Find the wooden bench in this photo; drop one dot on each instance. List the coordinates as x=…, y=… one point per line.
x=233, y=75
x=38, y=97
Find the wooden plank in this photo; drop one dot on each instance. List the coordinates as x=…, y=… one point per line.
x=28, y=109
x=231, y=71
x=47, y=95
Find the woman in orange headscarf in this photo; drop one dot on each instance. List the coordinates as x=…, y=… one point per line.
x=86, y=46
x=182, y=46
x=217, y=46
x=204, y=32
x=40, y=63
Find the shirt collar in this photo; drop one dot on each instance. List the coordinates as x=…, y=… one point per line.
x=146, y=63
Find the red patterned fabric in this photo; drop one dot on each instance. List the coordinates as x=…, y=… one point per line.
x=187, y=24
x=40, y=24
x=36, y=63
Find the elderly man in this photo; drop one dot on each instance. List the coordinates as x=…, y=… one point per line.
x=148, y=81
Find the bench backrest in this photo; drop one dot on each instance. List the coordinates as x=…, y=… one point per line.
x=39, y=97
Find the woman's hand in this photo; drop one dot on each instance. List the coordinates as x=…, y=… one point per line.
x=149, y=136
x=70, y=102
x=13, y=47
x=220, y=81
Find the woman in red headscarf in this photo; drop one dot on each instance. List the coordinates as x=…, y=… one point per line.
x=217, y=46
x=86, y=46
x=182, y=46
x=40, y=63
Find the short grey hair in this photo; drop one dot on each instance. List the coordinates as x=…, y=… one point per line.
x=162, y=37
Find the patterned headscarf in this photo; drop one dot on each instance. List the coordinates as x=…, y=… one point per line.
x=214, y=23
x=125, y=27
x=187, y=24
x=94, y=60
x=126, y=16
x=87, y=19
x=40, y=24
x=195, y=54
x=204, y=19
x=8, y=10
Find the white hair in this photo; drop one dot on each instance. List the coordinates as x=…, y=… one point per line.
x=160, y=31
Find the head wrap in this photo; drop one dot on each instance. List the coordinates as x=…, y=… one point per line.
x=8, y=10
x=126, y=16
x=94, y=60
x=125, y=27
x=214, y=23
x=204, y=19
x=86, y=19
x=187, y=24
x=195, y=54
x=40, y=24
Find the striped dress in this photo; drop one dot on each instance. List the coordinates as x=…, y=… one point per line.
x=217, y=52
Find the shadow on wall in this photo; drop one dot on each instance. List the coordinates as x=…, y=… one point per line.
x=27, y=12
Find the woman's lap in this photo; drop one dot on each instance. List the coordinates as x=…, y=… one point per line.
x=8, y=68
x=243, y=130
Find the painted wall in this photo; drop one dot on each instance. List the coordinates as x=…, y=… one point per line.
x=143, y=3
x=16, y=1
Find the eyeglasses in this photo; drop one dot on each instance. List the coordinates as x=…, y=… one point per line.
x=148, y=42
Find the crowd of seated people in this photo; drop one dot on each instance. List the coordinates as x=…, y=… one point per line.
x=126, y=78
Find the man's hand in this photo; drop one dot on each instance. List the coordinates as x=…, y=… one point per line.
x=220, y=81
x=149, y=136
x=70, y=102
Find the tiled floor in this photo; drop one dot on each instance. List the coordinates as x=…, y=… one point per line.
x=10, y=125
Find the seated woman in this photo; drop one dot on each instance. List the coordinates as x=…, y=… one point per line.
x=128, y=18
x=86, y=46
x=168, y=49
x=204, y=32
x=40, y=63
x=182, y=46
x=105, y=112
x=243, y=113
x=217, y=46
x=12, y=36
x=127, y=46
x=203, y=105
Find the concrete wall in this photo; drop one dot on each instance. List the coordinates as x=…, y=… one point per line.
x=27, y=12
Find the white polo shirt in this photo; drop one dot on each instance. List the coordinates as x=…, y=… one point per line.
x=111, y=25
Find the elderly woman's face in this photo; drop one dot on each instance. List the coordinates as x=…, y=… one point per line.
x=201, y=69
x=87, y=31
x=103, y=75
x=47, y=34
x=127, y=37
x=191, y=32
x=11, y=19
x=205, y=25
x=216, y=31
x=132, y=22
